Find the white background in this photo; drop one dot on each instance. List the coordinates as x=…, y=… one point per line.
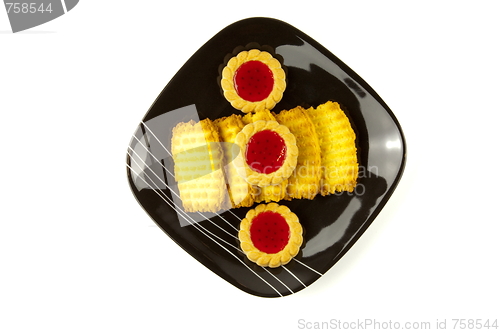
x=78, y=254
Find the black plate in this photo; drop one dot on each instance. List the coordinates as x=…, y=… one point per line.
x=331, y=224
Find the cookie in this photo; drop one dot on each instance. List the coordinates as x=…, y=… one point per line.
x=198, y=166
x=338, y=149
x=305, y=179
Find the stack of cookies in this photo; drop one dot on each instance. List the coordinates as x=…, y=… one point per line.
x=209, y=158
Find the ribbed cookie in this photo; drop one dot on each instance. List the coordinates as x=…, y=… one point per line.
x=260, y=115
x=338, y=149
x=305, y=180
x=198, y=162
x=240, y=191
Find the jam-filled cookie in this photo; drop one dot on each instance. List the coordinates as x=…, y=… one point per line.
x=268, y=153
x=253, y=81
x=270, y=235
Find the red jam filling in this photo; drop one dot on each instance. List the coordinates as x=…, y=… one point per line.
x=269, y=232
x=253, y=81
x=266, y=152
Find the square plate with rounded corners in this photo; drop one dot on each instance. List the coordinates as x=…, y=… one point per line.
x=332, y=224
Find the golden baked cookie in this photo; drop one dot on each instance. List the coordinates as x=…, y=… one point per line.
x=269, y=153
x=253, y=81
x=240, y=191
x=198, y=161
x=339, y=160
x=305, y=179
x=259, y=115
x=271, y=192
x=270, y=235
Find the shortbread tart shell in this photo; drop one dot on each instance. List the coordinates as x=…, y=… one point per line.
x=230, y=88
x=260, y=257
x=260, y=179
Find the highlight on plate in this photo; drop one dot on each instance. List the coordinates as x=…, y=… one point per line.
x=263, y=157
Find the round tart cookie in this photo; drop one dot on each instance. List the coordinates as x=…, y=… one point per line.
x=270, y=235
x=269, y=153
x=253, y=81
